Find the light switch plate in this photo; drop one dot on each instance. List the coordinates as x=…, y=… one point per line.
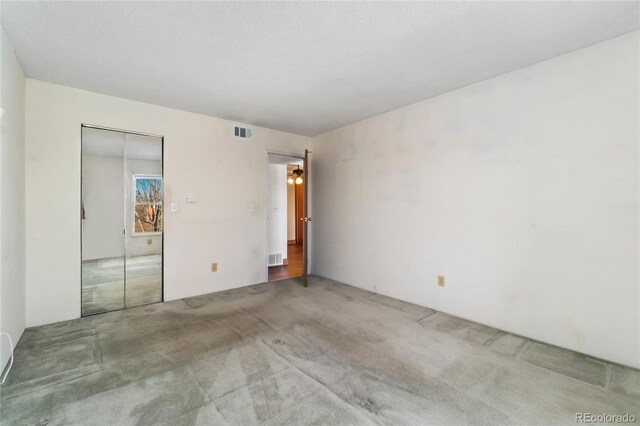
x=174, y=207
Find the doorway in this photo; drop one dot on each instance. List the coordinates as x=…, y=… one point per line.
x=285, y=234
x=122, y=219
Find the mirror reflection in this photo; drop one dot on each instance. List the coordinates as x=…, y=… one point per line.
x=122, y=220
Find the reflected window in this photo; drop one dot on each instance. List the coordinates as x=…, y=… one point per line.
x=147, y=204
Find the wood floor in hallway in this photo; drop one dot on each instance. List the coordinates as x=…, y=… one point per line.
x=293, y=267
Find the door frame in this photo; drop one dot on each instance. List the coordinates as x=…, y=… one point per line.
x=112, y=129
x=266, y=204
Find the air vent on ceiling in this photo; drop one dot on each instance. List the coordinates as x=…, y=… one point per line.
x=242, y=132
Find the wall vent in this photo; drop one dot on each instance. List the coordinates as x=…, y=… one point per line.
x=275, y=259
x=242, y=132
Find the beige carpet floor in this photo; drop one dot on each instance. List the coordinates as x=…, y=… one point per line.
x=283, y=354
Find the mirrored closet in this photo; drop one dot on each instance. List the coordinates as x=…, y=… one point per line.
x=122, y=220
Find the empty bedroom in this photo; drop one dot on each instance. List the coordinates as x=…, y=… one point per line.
x=336, y=213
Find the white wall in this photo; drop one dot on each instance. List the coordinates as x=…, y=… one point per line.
x=12, y=199
x=200, y=156
x=522, y=190
x=277, y=216
x=291, y=212
x=103, y=197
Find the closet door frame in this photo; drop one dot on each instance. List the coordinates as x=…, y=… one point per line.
x=130, y=132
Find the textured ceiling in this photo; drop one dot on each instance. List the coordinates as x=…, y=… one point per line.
x=301, y=67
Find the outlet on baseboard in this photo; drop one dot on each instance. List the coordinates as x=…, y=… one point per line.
x=214, y=267
x=441, y=280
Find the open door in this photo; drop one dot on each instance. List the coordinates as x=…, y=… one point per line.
x=305, y=219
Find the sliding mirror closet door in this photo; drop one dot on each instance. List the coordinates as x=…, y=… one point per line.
x=144, y=218
x=103, y=216
x=122, y=220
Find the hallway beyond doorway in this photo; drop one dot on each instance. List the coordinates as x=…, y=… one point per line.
x=293, y=268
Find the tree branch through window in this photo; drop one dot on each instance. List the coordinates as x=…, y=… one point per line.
x=148, y=204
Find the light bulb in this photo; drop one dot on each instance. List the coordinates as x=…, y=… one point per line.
x=290, y=181
x=298, y=180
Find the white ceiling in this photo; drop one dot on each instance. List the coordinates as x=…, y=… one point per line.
x=302, y=67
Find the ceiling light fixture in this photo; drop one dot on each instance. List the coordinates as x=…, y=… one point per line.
x=298, y=175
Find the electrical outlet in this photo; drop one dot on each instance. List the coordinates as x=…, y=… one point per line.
x=214, y=267
x=441, y=280
x=149, y=240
